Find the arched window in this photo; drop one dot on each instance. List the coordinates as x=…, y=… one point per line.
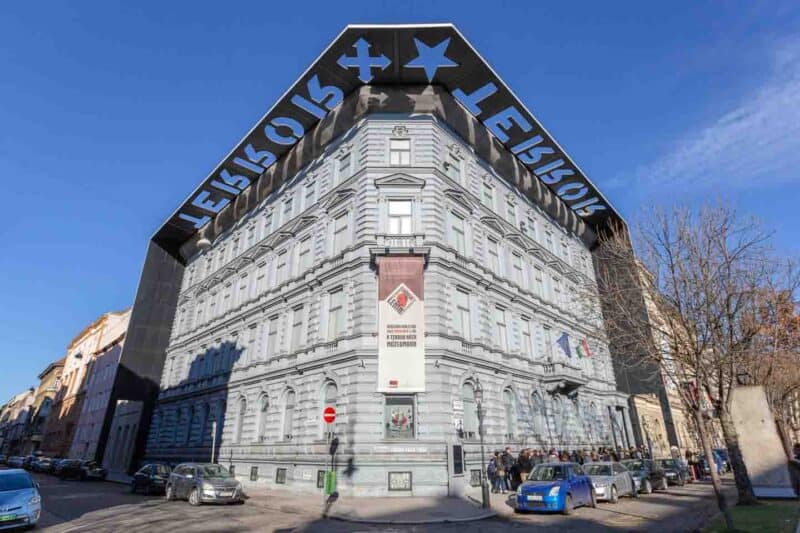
x=558, y=417
x=192, y=421
x=263, y=407
x=288, y=414
x=330, y=393
x=538, y=415
x=470, y=411
x=240, y=414
x=510, y=412
x=205, y=413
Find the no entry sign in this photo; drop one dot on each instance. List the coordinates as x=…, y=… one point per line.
x=329, y=415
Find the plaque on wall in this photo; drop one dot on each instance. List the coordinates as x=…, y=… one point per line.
x=475, y=478
x=399, y=480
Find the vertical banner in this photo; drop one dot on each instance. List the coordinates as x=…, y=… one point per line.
x=401, y=324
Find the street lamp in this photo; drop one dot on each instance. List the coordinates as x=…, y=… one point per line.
x=485, y=499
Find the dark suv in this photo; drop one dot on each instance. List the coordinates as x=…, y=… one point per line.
x=203, y=483
x=150, y=478
x=649, y=473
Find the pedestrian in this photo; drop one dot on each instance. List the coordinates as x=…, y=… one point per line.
x=491, y=472
x=552, y=456
x=507, y=465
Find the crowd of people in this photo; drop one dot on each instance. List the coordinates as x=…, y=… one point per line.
x=506, y=472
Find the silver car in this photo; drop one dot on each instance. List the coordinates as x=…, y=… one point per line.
x=20, y=502
x=203, y=483
x=611, y=480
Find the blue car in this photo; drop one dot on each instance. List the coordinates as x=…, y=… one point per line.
x=555, y=487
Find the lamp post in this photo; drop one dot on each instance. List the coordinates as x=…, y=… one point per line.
x=485, y=499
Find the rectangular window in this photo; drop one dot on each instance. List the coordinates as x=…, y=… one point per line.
x=548, y=237
x=336, y=314
x=453, y=167
x=494, y=255
x=500, y=329
x=516, y=261
x=538, y=277
x=400, y=217
x=310, y=194
x=532, y=230
x=288, y=209
x=280, y=271
x=511, y=213
x=251, y=236
x=305, y=259
x=548, y=341
x=261, y=274
x=341, y=233
x=398, y=417
x=526, y=329
x=272, y=336
x=457, y=233
x=267, y=225
x=565, y=251
x=343, y=170
x=461, y=316
x=557, y=297
x=400, y=152
x=488, y=195
x=298, y=320
x=212, y=306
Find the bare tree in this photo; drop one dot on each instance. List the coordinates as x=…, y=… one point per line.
x=683, y=310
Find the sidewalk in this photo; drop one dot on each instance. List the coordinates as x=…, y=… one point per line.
x=397, y=511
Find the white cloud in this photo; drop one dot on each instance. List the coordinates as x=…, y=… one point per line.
x=755, y=143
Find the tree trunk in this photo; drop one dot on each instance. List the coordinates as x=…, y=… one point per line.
x=740, y=475
x=715, y=481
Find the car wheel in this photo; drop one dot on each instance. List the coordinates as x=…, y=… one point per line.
x=613, y=498
x=634, y=492
x=567, y=505
x=169, y=494
x=647, y=487
x=194, y=497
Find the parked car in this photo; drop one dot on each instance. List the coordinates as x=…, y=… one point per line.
x=3, y=458
x=203, y=483
x=15, y=461
x=558, y=487
x=611, y=480
x=58, y=464
x=20, y=501
x=28, y=460
x=651, y=476
x=677, y=473
x=42, y=464
x=151, y=478
x=83, y=470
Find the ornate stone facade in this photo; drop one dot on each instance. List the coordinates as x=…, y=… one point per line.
x=277, y=319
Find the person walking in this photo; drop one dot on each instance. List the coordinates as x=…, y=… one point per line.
x=491, y=472
x=507, y=461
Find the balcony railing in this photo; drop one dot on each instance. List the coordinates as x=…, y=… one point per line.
x=399, y=241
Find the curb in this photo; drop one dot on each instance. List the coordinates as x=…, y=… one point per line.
x=483, y=516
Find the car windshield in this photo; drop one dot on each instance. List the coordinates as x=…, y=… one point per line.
x=214, y=471
x=597, y=470
x=634, y=465
x=15, y=482
x=668, y=463
x=548, y=473
x=162, y=470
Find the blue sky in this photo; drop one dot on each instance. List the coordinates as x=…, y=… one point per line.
x=112, y=113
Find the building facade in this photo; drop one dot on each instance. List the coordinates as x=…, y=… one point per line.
x=100, y=379
x=49, y=383
x=15, y=423
x=385, y=243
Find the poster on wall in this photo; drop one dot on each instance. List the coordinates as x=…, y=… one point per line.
x=401, y=325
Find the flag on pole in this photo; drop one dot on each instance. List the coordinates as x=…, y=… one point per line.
x=563, y=341
x=583, y=349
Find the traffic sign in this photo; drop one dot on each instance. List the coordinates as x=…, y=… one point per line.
x=329, y=414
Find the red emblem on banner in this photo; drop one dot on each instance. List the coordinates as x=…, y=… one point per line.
x=401, y=299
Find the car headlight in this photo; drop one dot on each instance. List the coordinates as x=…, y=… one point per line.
x=208, y=487
x=554, y=491
x=34, y=500
x=600, y=485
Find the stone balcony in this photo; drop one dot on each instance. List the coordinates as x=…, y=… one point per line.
x=562, y=378
x=389, y=244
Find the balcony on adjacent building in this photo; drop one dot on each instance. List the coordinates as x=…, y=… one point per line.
x=562, y=378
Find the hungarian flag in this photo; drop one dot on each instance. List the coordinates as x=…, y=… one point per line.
x=583, y=349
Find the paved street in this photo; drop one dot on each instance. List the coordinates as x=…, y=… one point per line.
x=104, y=506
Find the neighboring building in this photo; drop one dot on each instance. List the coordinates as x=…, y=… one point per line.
x=101, y=375
x=414, y=243
x=68, y=402
x=15, y=423
x=49, y=384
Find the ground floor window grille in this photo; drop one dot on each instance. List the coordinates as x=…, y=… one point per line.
x=253, y=473
x=280, y=476
x=398, y=416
